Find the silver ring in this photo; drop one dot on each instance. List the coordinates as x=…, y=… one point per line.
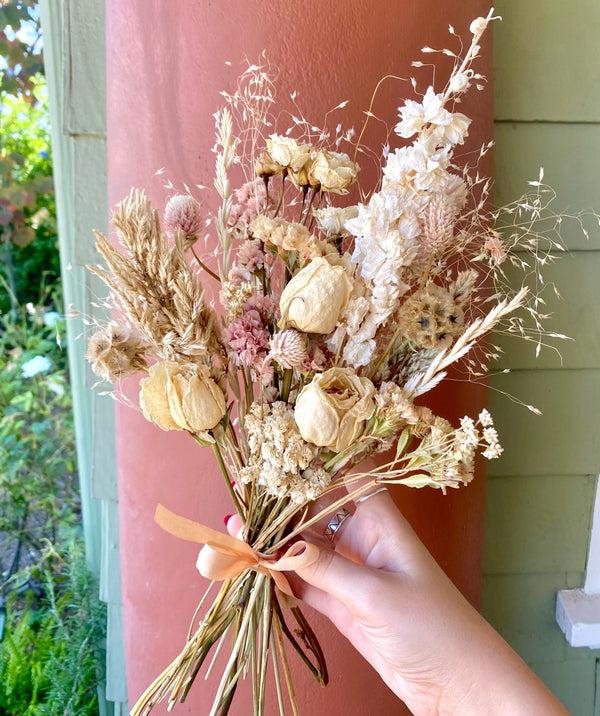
x=383, y=488
x=335, y=522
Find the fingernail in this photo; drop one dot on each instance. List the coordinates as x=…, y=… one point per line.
x=226, y=519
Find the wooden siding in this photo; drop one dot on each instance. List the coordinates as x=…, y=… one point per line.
x=540, y=494
x=75, y=68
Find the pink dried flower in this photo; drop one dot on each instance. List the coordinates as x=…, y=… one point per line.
x=437, y=223
x=182, y=213
x=266, y=307
x=250, y=200
x=317, y=358
x=249, y=335
x=250, y=258
x=248, y=338
x=495, y=249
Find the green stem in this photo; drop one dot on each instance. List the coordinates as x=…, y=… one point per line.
x=316, y=672
x=287, y=384
x=225, y=473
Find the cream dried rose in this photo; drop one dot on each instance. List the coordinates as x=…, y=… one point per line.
x=287, y=152
x=179, y=396
x=313, y=300
x=331, y=219
x=332, y=171
x=266, y=166
x=332, y=410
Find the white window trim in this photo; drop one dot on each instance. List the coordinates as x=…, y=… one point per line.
x=578, y=610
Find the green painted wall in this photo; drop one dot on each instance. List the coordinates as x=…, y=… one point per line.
x=540, y=494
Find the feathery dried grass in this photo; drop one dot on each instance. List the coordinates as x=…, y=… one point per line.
x=154, y=284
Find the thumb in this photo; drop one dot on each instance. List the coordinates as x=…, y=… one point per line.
x=350, y=583
x=234, y=525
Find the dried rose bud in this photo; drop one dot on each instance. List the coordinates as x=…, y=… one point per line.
x=181, y=396
x=182, y=213
x=289, y=348
x=314, y=299
x=113, y=353
x=333, y=409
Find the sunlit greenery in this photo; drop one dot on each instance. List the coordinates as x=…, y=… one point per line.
x=51, y=621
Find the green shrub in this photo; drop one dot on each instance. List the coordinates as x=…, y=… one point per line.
x=28, y=242
x=38, y=485
x=51, y=657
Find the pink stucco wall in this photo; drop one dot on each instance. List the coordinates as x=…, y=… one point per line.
x=166, y=65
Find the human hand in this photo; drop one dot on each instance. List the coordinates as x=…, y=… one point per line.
x=384, y=591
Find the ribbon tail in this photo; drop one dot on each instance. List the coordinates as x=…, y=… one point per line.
x=191, y=531
x=281, y=582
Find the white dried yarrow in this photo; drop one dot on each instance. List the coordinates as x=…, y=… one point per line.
x=280, y=460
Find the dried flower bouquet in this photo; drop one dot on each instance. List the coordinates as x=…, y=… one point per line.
x=335, y=320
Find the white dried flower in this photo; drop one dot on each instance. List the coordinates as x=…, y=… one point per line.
x=332, y=171
x=332, y=410
x=280, y=460
x=315, y=297
x=460, y=82
x=287, y=152
x=485, y=418
x=478, y=26
x=385, y=244
x=493, y=449
x=430, y=114
x=287, y=236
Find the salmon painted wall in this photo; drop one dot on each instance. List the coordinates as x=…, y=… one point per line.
x=166, y=66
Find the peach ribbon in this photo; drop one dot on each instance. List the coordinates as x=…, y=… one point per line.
x=225, y=557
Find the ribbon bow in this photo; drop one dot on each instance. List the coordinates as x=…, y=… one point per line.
x=225, y=557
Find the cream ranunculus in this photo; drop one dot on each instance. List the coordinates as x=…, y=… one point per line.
x=179, y=396
x=332, y=410
x=332, y=171
x=315, y=297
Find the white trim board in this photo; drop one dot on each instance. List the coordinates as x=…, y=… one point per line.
x=578, y=610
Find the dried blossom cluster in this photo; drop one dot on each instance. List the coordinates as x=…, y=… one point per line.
x=447, y=454
x=337, y=313
x=279, y=457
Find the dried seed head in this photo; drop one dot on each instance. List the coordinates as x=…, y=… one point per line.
x=431, y=318
x=437, y=223
x=113, y=353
